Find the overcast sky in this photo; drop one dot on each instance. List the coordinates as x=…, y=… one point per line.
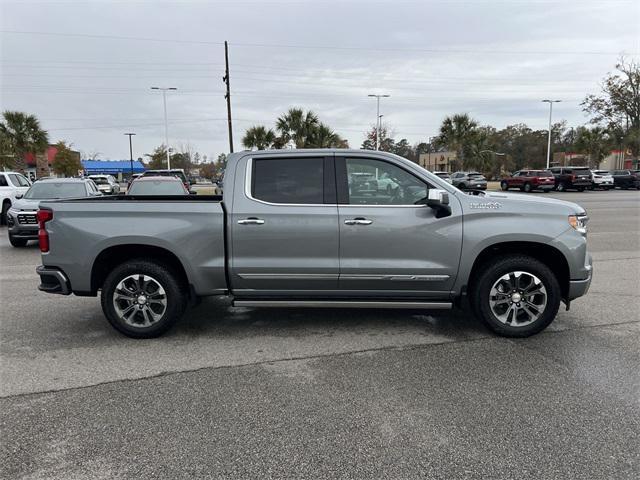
x=85, y=68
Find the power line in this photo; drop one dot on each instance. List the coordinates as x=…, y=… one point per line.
x=319, y=47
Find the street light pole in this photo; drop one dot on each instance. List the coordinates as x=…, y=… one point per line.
x=130, y=151
x=378, y=97
x=550, y=102
x=166, y=123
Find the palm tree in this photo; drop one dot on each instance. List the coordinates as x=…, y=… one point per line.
x=22, y=134
x=456, y=132
x=596, y=142
x=297, y=126
x=258, y=137
x=324, y=137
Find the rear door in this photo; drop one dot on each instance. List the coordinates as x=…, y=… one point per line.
x=284, y=226
x=389, y=245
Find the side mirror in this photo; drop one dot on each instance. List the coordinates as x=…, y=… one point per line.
x=19, y=196
x=438, y=200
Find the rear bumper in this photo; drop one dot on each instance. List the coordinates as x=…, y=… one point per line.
x=53, y=281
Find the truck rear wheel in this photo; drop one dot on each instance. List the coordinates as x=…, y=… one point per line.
x=516, y=296
x=143, y=299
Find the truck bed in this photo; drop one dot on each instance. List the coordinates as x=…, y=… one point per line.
x=85, y=232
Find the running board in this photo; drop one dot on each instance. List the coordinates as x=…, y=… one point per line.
x=341, y=304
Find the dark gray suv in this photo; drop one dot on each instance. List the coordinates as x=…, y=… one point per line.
x=469, y=181
x=21, y=217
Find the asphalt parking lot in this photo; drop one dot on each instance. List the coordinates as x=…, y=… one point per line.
x=244, y=393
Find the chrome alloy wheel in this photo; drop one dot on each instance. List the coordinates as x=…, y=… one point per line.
x=518, y=299
x=139, y=300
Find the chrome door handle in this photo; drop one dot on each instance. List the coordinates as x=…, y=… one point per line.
x=358, y=221
x=251, y=221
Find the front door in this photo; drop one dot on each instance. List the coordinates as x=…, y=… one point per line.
x=390, y=245
x=284, y=226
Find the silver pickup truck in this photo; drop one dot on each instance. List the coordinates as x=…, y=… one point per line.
x=319, y=228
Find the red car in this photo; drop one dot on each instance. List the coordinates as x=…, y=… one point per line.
x=528, y=180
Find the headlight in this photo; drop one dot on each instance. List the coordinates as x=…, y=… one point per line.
x=579, y=222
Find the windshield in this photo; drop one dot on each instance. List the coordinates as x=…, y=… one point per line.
x=475, y=174
x=50, y=190
x=581, y=171
x=100, y=180
x=156, y=187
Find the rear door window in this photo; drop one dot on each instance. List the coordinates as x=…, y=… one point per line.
x=3, y=181
x=288, y=180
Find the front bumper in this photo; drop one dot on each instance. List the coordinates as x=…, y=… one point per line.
x=578, y=288
x=23, y=232
x=53, y=281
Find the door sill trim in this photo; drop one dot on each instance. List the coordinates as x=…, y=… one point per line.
x=342, y=304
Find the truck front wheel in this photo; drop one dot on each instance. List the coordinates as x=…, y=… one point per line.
x=516, y=296
x=143, y=299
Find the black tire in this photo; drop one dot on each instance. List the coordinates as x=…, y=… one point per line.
x=481, y=288
x=175, y=294
x=527, y=187
x=3, y=215
x=504, y=186
x=562, y=187
x=581, y=189
x=17, y=242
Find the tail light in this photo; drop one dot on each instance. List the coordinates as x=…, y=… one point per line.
x=43, y=217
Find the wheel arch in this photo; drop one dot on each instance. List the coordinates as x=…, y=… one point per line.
x=547, y=254
x=111, y=257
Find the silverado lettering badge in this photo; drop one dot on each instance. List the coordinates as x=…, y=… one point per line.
x=489, y=205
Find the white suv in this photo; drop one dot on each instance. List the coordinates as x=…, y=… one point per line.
x=601, y=179
x=106, y=184
x=11, y=183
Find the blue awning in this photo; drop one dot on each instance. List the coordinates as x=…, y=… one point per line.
x=111, y=167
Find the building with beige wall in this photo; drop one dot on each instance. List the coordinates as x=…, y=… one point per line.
x=438, y=161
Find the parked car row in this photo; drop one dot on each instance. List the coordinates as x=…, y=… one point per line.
x=555, y=178
x=21, y=199
x=571, y=178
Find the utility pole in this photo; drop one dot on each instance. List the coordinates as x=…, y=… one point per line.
x=227, y=95
x=166, y=123
x=130, y=151
x=378, y=97
x=550, y=102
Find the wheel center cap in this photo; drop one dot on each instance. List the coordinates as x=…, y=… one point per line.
x=142, y=299
x=516, y=297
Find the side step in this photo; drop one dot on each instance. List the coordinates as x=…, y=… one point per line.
x=341, y=304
